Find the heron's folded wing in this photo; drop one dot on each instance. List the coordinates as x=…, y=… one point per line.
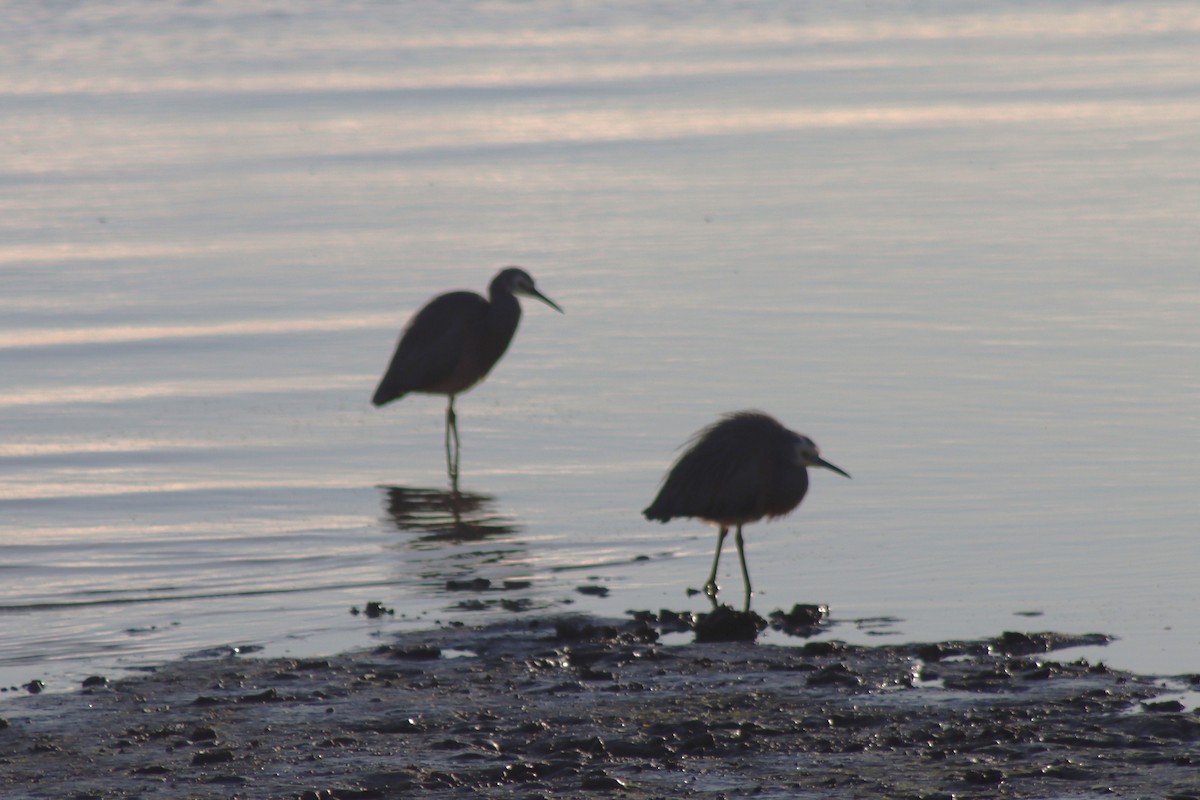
x=431, y=345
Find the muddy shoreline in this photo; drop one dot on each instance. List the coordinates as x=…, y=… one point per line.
x=574, y=706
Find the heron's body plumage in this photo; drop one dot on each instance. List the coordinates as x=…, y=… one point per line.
x=450, y=345
x=737, y=470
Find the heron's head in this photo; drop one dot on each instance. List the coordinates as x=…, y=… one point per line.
x=809, y=455
x=517, y=281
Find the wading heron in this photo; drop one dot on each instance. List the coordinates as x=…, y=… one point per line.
x=742, y=468
x=453, y=342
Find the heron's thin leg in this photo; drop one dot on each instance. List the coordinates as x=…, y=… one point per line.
x=452, y=457
x=454, y=429
x=449, y=460
x=742, y=557
x=710, y=586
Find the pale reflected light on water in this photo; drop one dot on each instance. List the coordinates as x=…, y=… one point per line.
x=953, y=244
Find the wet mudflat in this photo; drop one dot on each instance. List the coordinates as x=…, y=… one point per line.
x=582, y=707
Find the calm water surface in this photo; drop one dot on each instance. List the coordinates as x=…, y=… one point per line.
x=955, y=243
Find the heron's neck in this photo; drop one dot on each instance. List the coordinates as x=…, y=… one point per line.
x=504, y=313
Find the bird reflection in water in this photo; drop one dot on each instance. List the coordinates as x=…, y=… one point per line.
x=445, y=517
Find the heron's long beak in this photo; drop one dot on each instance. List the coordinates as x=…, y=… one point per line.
x=535, y=293
x=820, y=462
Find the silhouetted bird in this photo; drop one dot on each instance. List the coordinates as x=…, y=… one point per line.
x=742, y=468
x=453, y=342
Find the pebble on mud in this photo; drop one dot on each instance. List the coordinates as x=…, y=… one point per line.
x=373, y=610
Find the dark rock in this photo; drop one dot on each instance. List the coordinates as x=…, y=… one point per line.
x=823, y=648
x=375, y=609
x=835, y=675
x=979, y=680
x=1020, y=644
x=446, y=744
x=724, y=624
x=802, y=620
x=234, y=780
x=521, y=772
x=1164, y=707
x=591, y=674
x=674, y=621
x=151, y=769
x=989, y=776
x=935, y=652
x=699, y=742
x=206, y=757
x=471, y=605
x=1068, y=771
x=202, y=734
x=592, y=745
x=471, y=585
x=1038, y=674
x=516, y=605
x=601, y=783
x=411, y=652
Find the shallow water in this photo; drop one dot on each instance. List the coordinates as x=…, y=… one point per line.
x=955, y=244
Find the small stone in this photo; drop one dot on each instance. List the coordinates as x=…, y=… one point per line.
x=835, y=675
x=205, y=757
x=375, y=609
x=472, y=585
x=1164, y=707
x=202, y=734
x=151, y=769
x=601, y=783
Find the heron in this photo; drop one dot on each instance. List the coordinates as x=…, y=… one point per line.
x=743, y=467
x=453, y=342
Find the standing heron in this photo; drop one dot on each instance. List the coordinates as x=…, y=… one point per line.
x=453, y=342
x=742, y=468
